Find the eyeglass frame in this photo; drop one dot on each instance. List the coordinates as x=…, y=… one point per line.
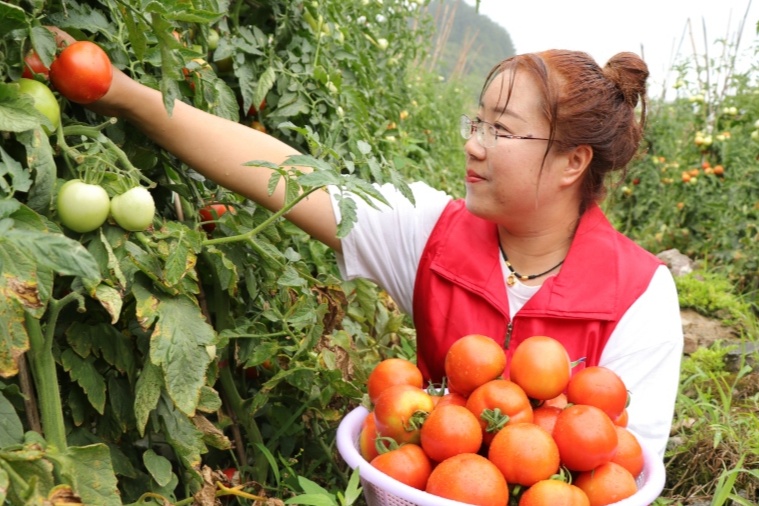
x=479, y=126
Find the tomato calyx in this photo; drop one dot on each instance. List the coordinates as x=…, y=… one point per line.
x=416, y=420
x=384, y=444
x=495, y=419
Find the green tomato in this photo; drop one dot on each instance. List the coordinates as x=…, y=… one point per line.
x=213, y=39
x=82, y=207
x=134, y=209
x=44, y=101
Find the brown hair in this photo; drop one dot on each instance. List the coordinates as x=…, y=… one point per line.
x=585, y=104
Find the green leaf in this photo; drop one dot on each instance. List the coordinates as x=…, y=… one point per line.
x=57, y=252
x=89, y=471
x=158, y=466
x=313, y=500
x=20, y=179
x=4, y=485
x=353, y=490
x=137, y=29
x=43, y=43
x=265, y=83
x=12, y=17
x=348, y=216
x=180, y=261
x=83, y=372
x=14, y=340
x=225, y=271
x=110, y=299
x=147, y=394
x=183, y=436
x=177, y=344
x=11, y=429
x=17, y=111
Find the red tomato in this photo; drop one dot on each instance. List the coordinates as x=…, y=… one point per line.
x=448, y=399
x=212, y=212
x=606, y=484
x=472, y=361
x=33, y=65
x=497, y=403
x=600, y=387
x=541, y=366
x=393, y=371
x=400, y=411
x=450, y=430
x=548, y=492
x=407, y=464
x=367, y=439
x=586, y=437
x=82, y=72
x=469, y=478
x=524, y=453
x=629, y=453
x=545, y=417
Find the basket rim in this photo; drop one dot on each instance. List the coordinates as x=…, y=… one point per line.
x=347, y=437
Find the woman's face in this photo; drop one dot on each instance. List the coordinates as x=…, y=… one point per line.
x=505, y=181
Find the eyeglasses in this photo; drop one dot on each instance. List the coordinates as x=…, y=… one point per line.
x=487, y=134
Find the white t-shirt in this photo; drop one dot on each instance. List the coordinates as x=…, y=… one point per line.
x=645, y=349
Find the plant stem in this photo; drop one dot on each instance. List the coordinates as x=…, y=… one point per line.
x=46, y=382
x=271, y=219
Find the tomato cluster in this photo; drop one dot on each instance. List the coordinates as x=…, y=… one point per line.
x=84, y=207
x=540, y=435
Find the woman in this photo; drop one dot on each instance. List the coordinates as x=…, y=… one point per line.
x=527, y=252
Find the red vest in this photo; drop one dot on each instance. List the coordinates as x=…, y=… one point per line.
x=460, y=289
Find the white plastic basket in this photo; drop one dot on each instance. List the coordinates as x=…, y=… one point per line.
x=382, y=490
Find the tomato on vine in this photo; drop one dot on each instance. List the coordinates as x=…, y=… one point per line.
x=82, y=72
x=44, y=101
x=212, y=212
x=134, y=209
x=81, y=206
x=33, y=65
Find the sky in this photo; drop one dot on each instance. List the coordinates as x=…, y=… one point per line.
x=658, y=30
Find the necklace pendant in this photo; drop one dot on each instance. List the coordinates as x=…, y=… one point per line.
x=511, y=279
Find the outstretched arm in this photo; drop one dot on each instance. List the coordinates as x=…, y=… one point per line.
x=218, y=148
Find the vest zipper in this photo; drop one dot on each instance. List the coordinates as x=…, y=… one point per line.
x=507, y=338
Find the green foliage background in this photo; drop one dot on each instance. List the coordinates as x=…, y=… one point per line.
x=136, y=366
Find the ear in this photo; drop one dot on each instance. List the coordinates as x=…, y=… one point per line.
x=577, y=161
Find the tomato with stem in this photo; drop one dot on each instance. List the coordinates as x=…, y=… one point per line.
x=400, y=412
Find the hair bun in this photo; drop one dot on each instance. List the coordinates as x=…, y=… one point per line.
x=629, y=72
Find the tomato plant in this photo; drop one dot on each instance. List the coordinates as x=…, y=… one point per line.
x=44, y=101
x=212, y=212
x=407, y=463
x=400, y=412
x=393, y=371
x=134, y=209
x=541, y=366
x=82, y=72
x=472, y=361
x=82, y=207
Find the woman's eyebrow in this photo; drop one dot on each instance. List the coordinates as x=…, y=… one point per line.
x=504, y=110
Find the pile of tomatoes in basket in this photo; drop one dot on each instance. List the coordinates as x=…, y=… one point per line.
x=539, y=436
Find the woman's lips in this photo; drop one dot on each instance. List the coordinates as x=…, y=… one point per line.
x=473, y=177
